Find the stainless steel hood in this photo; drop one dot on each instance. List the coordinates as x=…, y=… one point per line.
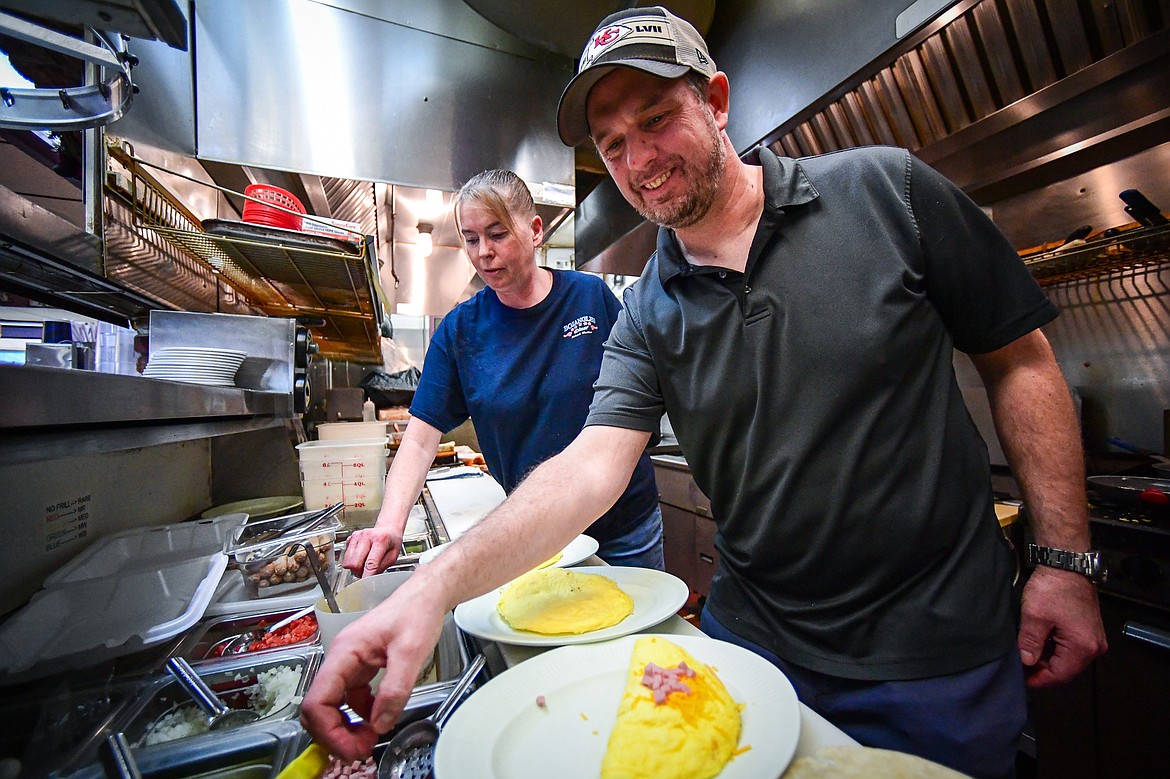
x=145, y=19
x=563, y=26
x=1009, y=98
x=423, y=93
x=355, y=106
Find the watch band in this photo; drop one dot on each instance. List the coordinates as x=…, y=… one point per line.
x=1088, y=564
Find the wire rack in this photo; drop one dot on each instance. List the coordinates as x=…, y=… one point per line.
x=1133, y=249
x=331, y=284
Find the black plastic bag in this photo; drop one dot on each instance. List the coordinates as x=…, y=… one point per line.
x=391, y=389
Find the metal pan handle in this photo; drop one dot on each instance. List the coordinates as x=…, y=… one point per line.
x=1150, y=635
x=117, y=759
x=194, y=686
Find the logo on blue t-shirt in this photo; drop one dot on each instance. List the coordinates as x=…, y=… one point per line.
x=582, y=325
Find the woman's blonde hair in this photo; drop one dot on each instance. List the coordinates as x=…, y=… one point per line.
x=502, y=193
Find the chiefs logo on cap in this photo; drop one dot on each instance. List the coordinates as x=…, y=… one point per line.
x=607, y=36
x=601, y=41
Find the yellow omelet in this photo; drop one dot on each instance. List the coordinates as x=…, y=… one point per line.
x=690, y=735
x=558, y=601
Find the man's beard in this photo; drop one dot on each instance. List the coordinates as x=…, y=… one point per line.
x=694, y=205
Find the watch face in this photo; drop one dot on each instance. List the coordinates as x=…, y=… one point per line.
x=1096, y=571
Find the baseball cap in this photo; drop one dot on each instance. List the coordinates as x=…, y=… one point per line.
x=649, y=39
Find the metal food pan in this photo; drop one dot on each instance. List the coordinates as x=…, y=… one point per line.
x=200, y=644
x=247, y=753
x=162, y=695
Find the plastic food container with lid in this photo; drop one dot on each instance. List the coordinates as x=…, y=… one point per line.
x=280, y=565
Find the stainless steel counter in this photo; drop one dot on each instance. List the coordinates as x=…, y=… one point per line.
x=86, y=454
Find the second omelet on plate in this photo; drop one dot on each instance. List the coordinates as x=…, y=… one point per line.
x=558, y=601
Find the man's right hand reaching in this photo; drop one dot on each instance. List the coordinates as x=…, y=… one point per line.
x=398, y=635
x=371, y=550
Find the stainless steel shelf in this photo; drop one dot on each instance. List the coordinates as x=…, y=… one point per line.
x=42, y=397
x=331, y=283
x=1140, y=247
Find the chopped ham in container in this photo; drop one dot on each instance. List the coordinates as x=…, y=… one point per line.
x=357, y=769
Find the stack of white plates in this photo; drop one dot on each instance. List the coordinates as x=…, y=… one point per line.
x=195, y=364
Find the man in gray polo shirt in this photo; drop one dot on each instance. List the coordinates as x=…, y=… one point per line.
x=797, y=323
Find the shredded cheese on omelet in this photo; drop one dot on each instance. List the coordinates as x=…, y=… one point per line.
x=689, y=735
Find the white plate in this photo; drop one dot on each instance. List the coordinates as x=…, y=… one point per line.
x=194, y=372
x=258, y=508
x=657, y=595
x=500, y=733
x=199, y=352
x=206, y=375
x=179, y=359
x=226, y=371
x=580, y=548
x=191, y=374
x=206, y=382
x=190, y=365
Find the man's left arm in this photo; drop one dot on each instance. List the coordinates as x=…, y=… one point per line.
x=1060, y=628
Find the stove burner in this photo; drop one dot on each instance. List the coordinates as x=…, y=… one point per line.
x=1101, y=506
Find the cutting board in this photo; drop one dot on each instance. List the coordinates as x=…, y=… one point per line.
x=463, y=502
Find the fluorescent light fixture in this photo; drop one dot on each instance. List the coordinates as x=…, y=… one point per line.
x=407, y=309
x=434, y=200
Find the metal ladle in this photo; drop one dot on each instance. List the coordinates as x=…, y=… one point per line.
x=411, y=753
x=219, y=714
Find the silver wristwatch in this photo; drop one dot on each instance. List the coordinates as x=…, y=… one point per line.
x=1088, y=564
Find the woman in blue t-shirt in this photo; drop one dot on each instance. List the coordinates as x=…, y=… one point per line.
x=520, y=359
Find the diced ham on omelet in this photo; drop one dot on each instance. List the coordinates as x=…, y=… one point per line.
x=676, y=720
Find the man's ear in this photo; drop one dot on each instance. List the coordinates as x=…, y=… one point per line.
x=719, y=98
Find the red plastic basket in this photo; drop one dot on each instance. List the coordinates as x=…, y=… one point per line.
x=261, y=214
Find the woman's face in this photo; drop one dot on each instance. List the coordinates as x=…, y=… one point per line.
x=505, y=262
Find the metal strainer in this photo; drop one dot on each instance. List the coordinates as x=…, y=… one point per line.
x=411, y=753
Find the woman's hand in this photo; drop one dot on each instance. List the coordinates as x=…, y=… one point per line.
x=372, y=550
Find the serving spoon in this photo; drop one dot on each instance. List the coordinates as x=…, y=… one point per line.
x=219, y=714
